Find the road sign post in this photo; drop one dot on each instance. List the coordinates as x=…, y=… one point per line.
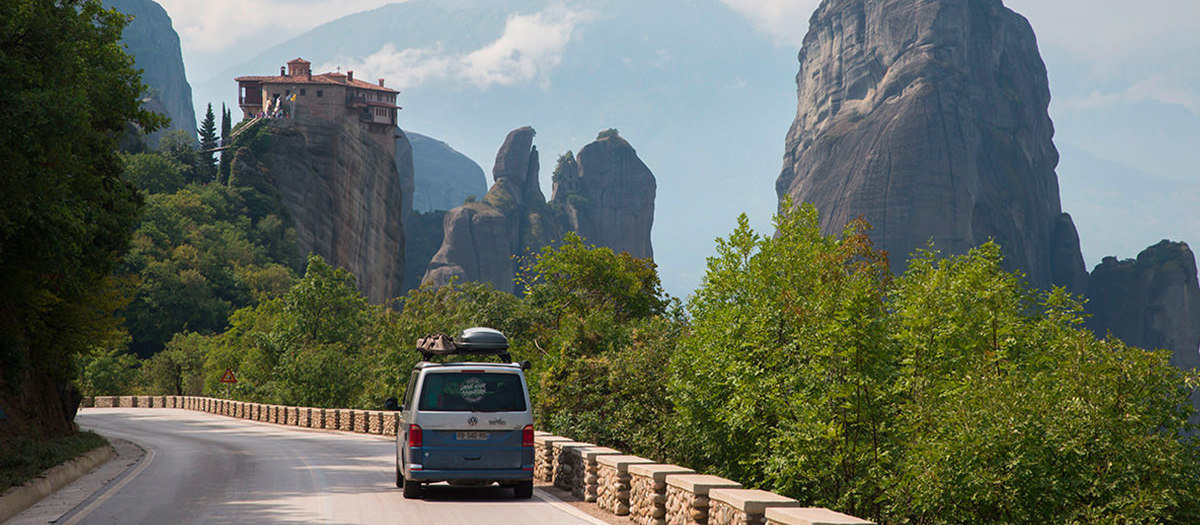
x=228, y=379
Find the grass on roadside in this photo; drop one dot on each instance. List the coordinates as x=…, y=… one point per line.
x=24, y=458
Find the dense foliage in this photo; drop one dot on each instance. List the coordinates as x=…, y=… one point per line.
x=70, y=92
x=955, y=394
x=199, y=254
x=951, y=394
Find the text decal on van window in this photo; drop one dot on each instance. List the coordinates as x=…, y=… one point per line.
x=473, y=390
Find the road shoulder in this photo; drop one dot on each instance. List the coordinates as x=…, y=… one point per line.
x=79, y=480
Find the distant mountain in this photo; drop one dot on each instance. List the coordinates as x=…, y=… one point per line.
x=704, y=95
x=1158, y=138
x=154, y=44
x=1120, y=210
x=444, y=177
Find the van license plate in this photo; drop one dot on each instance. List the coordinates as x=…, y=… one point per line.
x=472, y=436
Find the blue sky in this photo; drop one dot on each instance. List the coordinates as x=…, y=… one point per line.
x=1114, y=65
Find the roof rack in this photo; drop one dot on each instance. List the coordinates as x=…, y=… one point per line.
x=472, y=341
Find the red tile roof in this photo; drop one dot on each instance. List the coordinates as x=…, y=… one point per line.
x=338, y=79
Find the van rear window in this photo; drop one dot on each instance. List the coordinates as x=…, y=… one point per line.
x=472, y=392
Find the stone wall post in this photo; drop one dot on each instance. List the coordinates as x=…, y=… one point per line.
x=687, y=497
x=648, y=492
x=543, y=456
x=391, y=423
x=614, y=487
x=743, y=506
x=569, y=468
x=810, y=516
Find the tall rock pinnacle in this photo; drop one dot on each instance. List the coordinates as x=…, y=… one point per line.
x=607, y=196
x=930, y=120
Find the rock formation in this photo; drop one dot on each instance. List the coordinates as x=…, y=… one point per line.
x=482, y=238
x=152, y=41
x=1150, y=302
x=445, y=178
x=607, y=195
x=930, y=120
x=343, y=187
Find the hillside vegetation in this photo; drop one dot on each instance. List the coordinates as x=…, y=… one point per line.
x=954, y=393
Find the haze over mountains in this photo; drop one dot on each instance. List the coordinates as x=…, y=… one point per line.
x=707, y=96
x=704, y=94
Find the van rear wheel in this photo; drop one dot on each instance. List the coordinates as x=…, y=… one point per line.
x=412, y=489
x=523, y=489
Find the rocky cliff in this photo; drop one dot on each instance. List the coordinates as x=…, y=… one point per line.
x=445, y=178
x=151, y=39
x=1151, y=302
x=343, y=187
x=606, y=195
x=930, y=120
x=482, y=238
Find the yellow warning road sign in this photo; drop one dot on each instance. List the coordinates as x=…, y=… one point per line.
x=228, y=377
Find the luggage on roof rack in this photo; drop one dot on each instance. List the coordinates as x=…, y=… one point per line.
x=478, y=340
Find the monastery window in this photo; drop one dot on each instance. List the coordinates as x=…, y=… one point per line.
x=302, y=90
x=319, y=93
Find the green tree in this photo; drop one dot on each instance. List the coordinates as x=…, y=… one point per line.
x=108, y=370
x=179, y=147
x=199, y=254
x=304, y=348
x=1015, y=413
x=65, y=211
x=226, y=156
x=208, y=142
x=784, y=380
x=178, y=370
x=603, y=331
x=574, y=279
x=153, y=172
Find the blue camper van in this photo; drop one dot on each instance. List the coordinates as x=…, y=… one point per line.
x=465, y=423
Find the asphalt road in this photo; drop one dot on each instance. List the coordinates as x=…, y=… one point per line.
x=202, y=468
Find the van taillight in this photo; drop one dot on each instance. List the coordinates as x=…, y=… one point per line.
x=527, y=436
x=414, y=436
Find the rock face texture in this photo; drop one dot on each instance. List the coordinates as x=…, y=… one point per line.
x=343, y=188
x=445, y=178
x=930, y=120
x=481, y=238
x=607, y=196
x=1151, y=302
x=154, y=44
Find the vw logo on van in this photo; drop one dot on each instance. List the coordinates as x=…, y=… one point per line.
x=473, y=421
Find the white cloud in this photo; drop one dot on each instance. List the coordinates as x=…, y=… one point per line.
x=785, y=20
x=530, y=48
x=218, y=25
x=402, y=69
x=1159, y=88
x=1114, y=31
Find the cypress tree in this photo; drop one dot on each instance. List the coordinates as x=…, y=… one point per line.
x=208, y=142
x=226, y=155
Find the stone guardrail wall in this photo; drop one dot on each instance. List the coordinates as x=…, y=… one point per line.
x=379, y=422
x=648, y=493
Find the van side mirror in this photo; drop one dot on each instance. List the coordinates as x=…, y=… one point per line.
x=391, y=404
x=526, y=365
